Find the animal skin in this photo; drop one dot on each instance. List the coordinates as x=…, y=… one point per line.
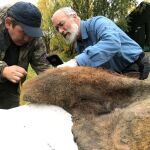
x=97, y=100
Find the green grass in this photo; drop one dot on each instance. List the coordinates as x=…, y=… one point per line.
x=31, y=74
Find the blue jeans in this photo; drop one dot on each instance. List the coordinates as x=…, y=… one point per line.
x=8, y=100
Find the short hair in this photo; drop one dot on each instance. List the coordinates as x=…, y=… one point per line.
x=68, y=11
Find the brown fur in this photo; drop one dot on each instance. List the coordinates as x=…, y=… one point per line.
x=86, y=93
x=86, y=88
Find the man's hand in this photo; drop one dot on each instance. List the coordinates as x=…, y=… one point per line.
x=70, y=63
x=14, y=73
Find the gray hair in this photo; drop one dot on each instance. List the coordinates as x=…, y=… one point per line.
x=68, y=11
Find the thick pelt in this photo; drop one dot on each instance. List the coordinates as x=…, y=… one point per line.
x=99, y=102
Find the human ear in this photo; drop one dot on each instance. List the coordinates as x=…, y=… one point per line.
x=8, y=22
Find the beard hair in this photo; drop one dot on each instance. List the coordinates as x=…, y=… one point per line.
x=73, y=34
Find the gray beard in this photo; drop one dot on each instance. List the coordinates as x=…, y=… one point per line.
x=73, y=36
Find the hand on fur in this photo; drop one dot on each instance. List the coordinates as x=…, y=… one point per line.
x=70, y=63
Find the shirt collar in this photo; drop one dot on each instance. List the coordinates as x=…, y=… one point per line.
x=83, y=30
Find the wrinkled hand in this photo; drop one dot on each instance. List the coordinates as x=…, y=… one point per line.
x=70, y=63
x=14, y=73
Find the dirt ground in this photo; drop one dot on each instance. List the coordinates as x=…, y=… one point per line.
x=148, y=54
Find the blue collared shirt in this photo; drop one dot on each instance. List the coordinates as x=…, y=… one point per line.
x=104, y=44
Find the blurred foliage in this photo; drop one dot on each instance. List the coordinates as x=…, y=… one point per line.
x=45, y=8
x=116, y=10
x=83, y=8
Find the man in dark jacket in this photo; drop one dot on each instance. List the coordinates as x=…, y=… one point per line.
x=20, y=44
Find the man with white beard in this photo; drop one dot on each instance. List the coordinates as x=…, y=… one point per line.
x=100, y=43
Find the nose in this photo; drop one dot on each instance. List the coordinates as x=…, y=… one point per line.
x=61, y=30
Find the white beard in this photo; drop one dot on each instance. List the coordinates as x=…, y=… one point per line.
x=70, y=38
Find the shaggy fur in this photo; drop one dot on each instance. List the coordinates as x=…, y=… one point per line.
x=86, y=93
